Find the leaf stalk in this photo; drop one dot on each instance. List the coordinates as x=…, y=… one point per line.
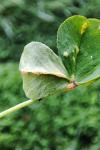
x=17, y=107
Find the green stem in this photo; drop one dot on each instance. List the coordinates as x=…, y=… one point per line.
x=17, y=107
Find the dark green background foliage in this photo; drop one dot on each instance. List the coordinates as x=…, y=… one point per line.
x=61, y=122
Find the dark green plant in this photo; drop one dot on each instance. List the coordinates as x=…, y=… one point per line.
x=44, y=73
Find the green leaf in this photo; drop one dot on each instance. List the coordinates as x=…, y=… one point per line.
x=88, y=61
x=42, y=70
x=78, y=42
x=68, y=41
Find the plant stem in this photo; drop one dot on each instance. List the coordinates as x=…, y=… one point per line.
x=17, y=107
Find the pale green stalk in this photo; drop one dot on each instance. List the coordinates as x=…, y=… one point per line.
x=17, y=107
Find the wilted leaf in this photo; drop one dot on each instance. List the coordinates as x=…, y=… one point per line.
x=39, y=86
x=42, y=70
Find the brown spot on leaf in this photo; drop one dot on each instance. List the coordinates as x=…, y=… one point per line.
x=72, y=85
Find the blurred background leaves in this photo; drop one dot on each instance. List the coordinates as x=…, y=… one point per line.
x=60, y=122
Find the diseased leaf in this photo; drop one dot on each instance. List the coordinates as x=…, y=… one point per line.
x=88, y=61
x=42, y=70
x=40, y=59
x=39, y=86
x=78, y=42
x=68, y=40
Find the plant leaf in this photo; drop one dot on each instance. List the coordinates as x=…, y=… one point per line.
x=68, y=41
x=78, y=42
x=88, y=61
x=40, y=59
x=40, y=86
x=42, y=70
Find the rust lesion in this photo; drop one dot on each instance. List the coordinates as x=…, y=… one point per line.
x=72, y=85
x=84, y=27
